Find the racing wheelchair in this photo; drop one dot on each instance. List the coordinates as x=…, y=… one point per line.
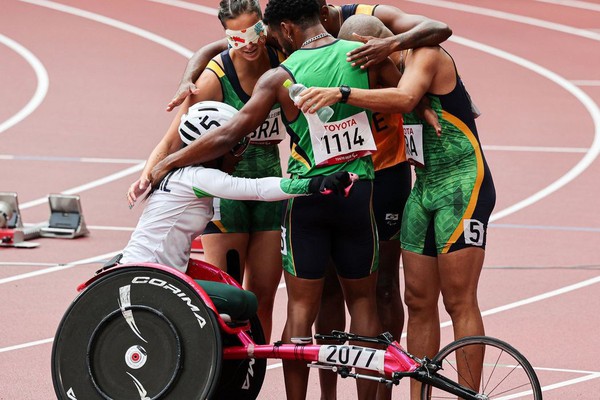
x=148, y=331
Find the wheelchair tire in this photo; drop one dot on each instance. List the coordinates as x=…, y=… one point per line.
x=242, y=379
x=137, y=332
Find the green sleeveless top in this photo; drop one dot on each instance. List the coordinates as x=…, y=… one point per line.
x=342, y=147
x=261, y=158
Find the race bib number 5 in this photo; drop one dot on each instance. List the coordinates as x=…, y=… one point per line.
x=340, y=141
x=413, y=138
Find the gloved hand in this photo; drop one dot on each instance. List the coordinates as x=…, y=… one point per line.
x=336, y=183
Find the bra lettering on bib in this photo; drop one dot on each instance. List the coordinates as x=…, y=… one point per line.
x=413, y=138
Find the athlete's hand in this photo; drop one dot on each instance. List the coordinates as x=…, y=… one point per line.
x=159, y=171
x=314, y=98
x=425, y=112
x=337, y=183
x=373, y=51
x=184, y=90
x=136, y=189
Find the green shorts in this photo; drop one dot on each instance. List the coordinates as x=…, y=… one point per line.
x=245, y=216
x=449, y=209
x=237, y=216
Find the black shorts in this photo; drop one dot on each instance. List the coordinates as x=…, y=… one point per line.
x=319, y=228
x=391, y=188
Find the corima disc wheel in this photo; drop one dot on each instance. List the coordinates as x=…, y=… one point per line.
x=137, y=333
x=114, y=352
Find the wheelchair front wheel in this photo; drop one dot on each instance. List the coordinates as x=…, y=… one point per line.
x=488, y=366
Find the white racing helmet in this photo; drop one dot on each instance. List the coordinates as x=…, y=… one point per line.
x=204, y=116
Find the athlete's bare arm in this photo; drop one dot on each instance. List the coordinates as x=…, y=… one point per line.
x=209, y=89
x=193, y=69
x=384, y=74
x=196, y=65
x=268, y=91
x=410, y=31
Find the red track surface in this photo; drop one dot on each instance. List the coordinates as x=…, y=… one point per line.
x=107, y=92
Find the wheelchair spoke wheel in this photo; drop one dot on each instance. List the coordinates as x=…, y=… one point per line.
x=488, y=366
x=137, y=333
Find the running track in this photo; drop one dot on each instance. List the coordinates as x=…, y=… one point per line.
x=84, y=87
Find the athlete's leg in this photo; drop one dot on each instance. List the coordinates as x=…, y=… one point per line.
x=263, y=274
x=459, y=276
x=216, y=246
x=421, y=294
x=362, y=306
x=332, y=315
x=389, y=301
x=304, y=296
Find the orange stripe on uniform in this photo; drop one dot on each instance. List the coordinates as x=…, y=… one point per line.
x=219, y=225
x=480, y=170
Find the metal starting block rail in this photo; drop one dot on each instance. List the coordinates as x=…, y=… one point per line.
x=66, y=221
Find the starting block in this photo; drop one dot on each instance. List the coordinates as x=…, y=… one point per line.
x=66, y=218
x=12, y=232
x=66, y=221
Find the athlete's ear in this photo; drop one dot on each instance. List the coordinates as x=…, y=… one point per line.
x=324, y=13
x=286, y=31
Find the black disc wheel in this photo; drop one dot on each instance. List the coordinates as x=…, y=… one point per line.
x=242, y=379
x=137, y=333
x=487, y=366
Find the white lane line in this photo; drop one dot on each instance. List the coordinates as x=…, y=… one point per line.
x=114, y=23
x=536, y=149
x=583, y=98
x=89, y=185
x=94, y=160
x=533, y=299
x=95, y=259
x=510, y=17
x=574, y=3
x=547, y=227
x=557, y=385
x=42, y=83
x=586, y=82
x=26, y=345
x=188, y=6
x=125, y=27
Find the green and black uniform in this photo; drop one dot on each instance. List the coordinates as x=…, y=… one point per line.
x=261, y=158
x=453, y=197
x=343, y=229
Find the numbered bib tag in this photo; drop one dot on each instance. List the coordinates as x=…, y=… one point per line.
x=353, y=356
x=340, y=141
x=413, y=139
x=474, y=232
x=271, y=131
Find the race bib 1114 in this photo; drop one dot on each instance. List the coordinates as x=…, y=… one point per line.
x=340, y=141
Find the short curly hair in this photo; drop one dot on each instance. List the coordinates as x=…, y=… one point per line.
x=300, y=12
